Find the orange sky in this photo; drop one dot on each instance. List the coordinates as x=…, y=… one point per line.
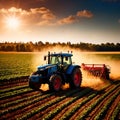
x=78, y=21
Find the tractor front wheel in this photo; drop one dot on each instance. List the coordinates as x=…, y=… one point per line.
x=55, y=82
x=76, y=78
x=34, y=86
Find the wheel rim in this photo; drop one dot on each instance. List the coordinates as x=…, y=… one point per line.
x=57, y=83
x=77, y=79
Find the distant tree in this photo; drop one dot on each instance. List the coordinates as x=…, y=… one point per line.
x=17, y=47
x=22, y=47
x=40, y=43
x=38, y=46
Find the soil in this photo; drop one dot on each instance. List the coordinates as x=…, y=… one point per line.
x=43, y=98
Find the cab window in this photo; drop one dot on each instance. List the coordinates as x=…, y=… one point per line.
x=67, y=60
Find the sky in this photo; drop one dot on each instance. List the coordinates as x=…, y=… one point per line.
x=75, y=21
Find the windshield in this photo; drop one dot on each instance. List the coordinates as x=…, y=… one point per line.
x=58, y=60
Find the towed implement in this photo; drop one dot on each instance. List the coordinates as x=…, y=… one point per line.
x=97, y=70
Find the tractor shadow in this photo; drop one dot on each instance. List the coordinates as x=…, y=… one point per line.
x=113, y=81
x=69, y=92
x=65, y=90
x=77, y=91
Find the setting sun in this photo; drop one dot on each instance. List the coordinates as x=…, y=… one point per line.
x=13, y=22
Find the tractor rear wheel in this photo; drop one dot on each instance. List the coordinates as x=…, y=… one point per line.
x=55, y=82
x=76, y=78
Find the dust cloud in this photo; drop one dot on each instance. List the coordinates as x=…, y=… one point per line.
x=80, y=57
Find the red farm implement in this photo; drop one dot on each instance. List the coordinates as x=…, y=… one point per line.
x=97, y=70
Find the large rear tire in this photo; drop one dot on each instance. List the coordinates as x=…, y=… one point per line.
x=76, y=78
x=55, y=82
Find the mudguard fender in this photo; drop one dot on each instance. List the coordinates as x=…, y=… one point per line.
x=34, y=78
x=70, y=68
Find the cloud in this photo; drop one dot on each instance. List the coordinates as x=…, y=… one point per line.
x=42, y=16
x=68, y=20
x=85, y=13
x=41, y=10
x=75, y=18
x=48, y=16
x=31, y=16
x=13, y=10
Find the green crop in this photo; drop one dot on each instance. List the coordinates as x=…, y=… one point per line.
x=90, y=108
x=18, y=64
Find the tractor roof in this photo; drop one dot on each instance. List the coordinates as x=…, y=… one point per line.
x=62, y=54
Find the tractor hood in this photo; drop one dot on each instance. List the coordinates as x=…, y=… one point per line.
x=45, y=67
x=43, y=73
x=47, y=70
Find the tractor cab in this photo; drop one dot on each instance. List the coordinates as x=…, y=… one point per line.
x=62, y=60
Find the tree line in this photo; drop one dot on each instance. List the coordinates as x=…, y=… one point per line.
x=38, y=46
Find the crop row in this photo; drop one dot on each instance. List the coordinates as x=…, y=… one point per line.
x=33, y=99
x=13, y=80
x=13, y=89
x=8, y=104
x=16, y=92
x=77, y=104
x=72, y=110
x=67, y=103
x=26, y=103
x=90, y=108
x=105, y=108
x=48, y=104
x=55, y=101
x=63, y=105
x=116, y=112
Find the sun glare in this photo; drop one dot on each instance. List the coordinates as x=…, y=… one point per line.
x=13, y=22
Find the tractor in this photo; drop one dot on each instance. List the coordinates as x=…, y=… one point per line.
x=57, y=71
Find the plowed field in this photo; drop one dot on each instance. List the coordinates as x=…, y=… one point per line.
x=18, y=101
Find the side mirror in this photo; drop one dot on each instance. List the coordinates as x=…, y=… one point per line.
x=44, y=57
x=66, y=58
